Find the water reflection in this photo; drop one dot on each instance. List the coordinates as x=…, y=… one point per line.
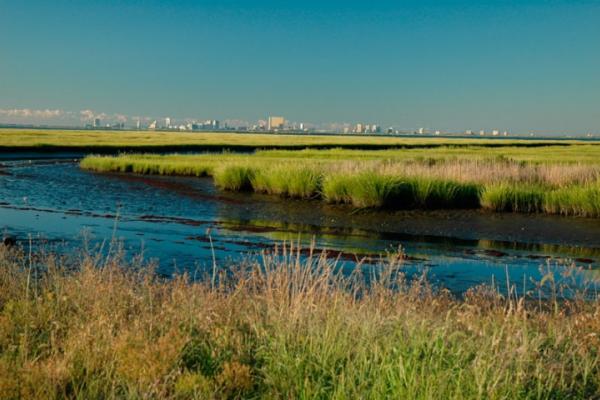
x=169, y=219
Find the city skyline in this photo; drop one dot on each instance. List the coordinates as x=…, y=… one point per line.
x=90, y=119
x=454, y=66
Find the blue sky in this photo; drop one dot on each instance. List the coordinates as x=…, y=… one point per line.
x=451, y=65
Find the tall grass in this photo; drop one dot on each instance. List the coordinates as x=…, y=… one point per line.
x=583, y=201
x=234, y=177
x=281, y=327
x=497, y=184
x=149, y=165
x=514, y=198
x=288, y=180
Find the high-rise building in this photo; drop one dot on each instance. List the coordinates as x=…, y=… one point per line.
x=167, y=122
x=359, y=128
x=152, y=125
x=276, y=123
x=97, y=123
x=138, y=125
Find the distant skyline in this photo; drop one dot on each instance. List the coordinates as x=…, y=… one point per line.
x=527, y=66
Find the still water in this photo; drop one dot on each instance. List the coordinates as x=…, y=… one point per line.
x=172, y=220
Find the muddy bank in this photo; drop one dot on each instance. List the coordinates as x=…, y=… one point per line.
x=458, y=224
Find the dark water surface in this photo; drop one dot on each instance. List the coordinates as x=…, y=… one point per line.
x=168, y=218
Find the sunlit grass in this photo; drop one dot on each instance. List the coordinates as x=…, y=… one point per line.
x=281, y=327
x=493, y=183
x=113, y=141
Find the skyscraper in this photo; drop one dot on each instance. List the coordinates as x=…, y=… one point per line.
x=275, y=123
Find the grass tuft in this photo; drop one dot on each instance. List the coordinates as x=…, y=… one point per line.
x=234, y=177
x=288, y=180
x=513, y=198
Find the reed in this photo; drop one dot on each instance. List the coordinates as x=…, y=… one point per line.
x=281, y=326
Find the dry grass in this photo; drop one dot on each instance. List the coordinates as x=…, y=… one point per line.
x=281, y=327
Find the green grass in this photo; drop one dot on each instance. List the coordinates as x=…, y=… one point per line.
x=288, y=181
x=388, y=179
x=375, y=190
x=12, y=140
x=281, y=328
x=513, y=198
x=234, y=177
x=575, y=152
x=572, y=200
x=583, y=201
x=366, y=189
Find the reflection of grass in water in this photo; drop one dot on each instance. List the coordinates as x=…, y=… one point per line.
x=282, y=328
x=498, y=184
x=277, y=231
x=543, y=248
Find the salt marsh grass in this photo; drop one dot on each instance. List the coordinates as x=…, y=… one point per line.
x=387, y=178
x=288, y=180
x=280, y=326
x=234, y=177
x=12, y=140
x=515, y=198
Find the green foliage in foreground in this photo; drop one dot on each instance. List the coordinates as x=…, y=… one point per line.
x=280, y=328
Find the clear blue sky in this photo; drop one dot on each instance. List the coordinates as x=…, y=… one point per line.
x=522, y=66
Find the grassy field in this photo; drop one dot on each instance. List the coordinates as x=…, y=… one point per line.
x=142, y=141
x=509, y=179
x=279, y=327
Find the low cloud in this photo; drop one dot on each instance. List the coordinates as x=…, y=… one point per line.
x=86, y=115
x=31, y=113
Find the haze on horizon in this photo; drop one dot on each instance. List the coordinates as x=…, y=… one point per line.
x=528, y=66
